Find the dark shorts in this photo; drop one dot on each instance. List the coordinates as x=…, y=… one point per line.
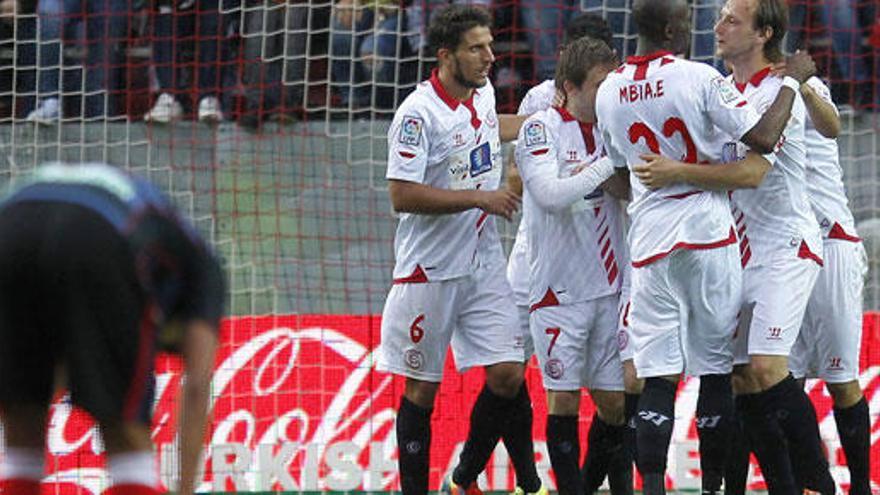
x=69, y=296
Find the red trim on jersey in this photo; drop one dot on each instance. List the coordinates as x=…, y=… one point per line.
x=587, y=134
x=805, y=253
x=731, y=239
x=418, y=276
x=837, y=232
x=606, y=246
x=469, y=104
x=483, y=217
x=683, y=195
x=564, y=114
x=612, y=275
x=644, y=59
x=666, y=60
x=609, y=260
x=134, y=397
x=548, y=300
x=406, y=154
x=641, y=62
x=541, y=151
x=755, y=80
x=453, y=102
x=742, y=104
x=746, y=256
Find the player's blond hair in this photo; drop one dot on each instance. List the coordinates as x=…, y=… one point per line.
x=773, y=15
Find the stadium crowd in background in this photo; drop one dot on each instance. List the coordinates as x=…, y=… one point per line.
x=249, y=61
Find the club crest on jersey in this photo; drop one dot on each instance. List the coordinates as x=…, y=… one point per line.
x=535, y=133
x=554, y=368
x=726, y=91
x=411, y=130
x=492, y=119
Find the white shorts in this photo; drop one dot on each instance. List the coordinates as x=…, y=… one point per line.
x=576, y=345
x=775, y=298
x=474, y=313
x=522, y=313
x=830, y=340
x=624, y=341
x=683, y=312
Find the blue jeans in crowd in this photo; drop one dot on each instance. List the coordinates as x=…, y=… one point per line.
x=201, y=23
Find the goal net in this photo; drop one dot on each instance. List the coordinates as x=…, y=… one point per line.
x=266, y=121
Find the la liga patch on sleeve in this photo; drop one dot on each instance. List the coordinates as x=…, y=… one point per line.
x=726, y=90
x=411, y=130
x=535, y=133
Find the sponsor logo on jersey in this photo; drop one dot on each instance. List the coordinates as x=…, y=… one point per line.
x=411, y=130
x=481, y=159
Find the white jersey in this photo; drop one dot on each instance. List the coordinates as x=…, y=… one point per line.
x=680, y=109
x=574, y=252
x=442, y=142
x=538, y=98
x=777, y=214
x=825, y=177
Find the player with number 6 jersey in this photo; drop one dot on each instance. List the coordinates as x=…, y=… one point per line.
x=449, y=284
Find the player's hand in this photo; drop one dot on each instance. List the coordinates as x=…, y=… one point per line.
x=502, y=202
x=657, y=171
x=799, y=66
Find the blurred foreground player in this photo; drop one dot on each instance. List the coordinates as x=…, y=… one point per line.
x=97, y=272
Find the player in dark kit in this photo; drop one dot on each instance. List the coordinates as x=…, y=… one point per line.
x=97, y=272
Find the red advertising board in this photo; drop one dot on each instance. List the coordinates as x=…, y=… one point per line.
x=297, y=405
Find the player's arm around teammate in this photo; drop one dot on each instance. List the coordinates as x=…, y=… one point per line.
x=573, y=320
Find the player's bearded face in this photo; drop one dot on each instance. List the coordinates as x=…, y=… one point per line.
x=473, y=59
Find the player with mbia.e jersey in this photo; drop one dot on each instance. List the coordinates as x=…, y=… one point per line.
x=686, y=282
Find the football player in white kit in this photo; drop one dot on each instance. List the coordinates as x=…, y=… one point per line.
x=686, y=281
x=830, y=339
x=602, y=442
x=444, y=171
x=780, y=248
x=574, y=235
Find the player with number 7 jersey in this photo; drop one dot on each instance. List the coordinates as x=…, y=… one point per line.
x=686, y=281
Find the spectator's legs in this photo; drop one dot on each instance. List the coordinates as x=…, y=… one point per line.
x=164, y=34
x=295, y=53
x=383, y=60
x=26, y=58
x=52, y=20
x=262, y=66
x=210, y=38
x=107, y=25
x=840, y=16
x=345, y=59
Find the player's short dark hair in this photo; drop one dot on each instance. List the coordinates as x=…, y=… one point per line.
x=772, y=14
x=450, y=23
x=651, y=18
x=579, y=57
x=588, y=24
